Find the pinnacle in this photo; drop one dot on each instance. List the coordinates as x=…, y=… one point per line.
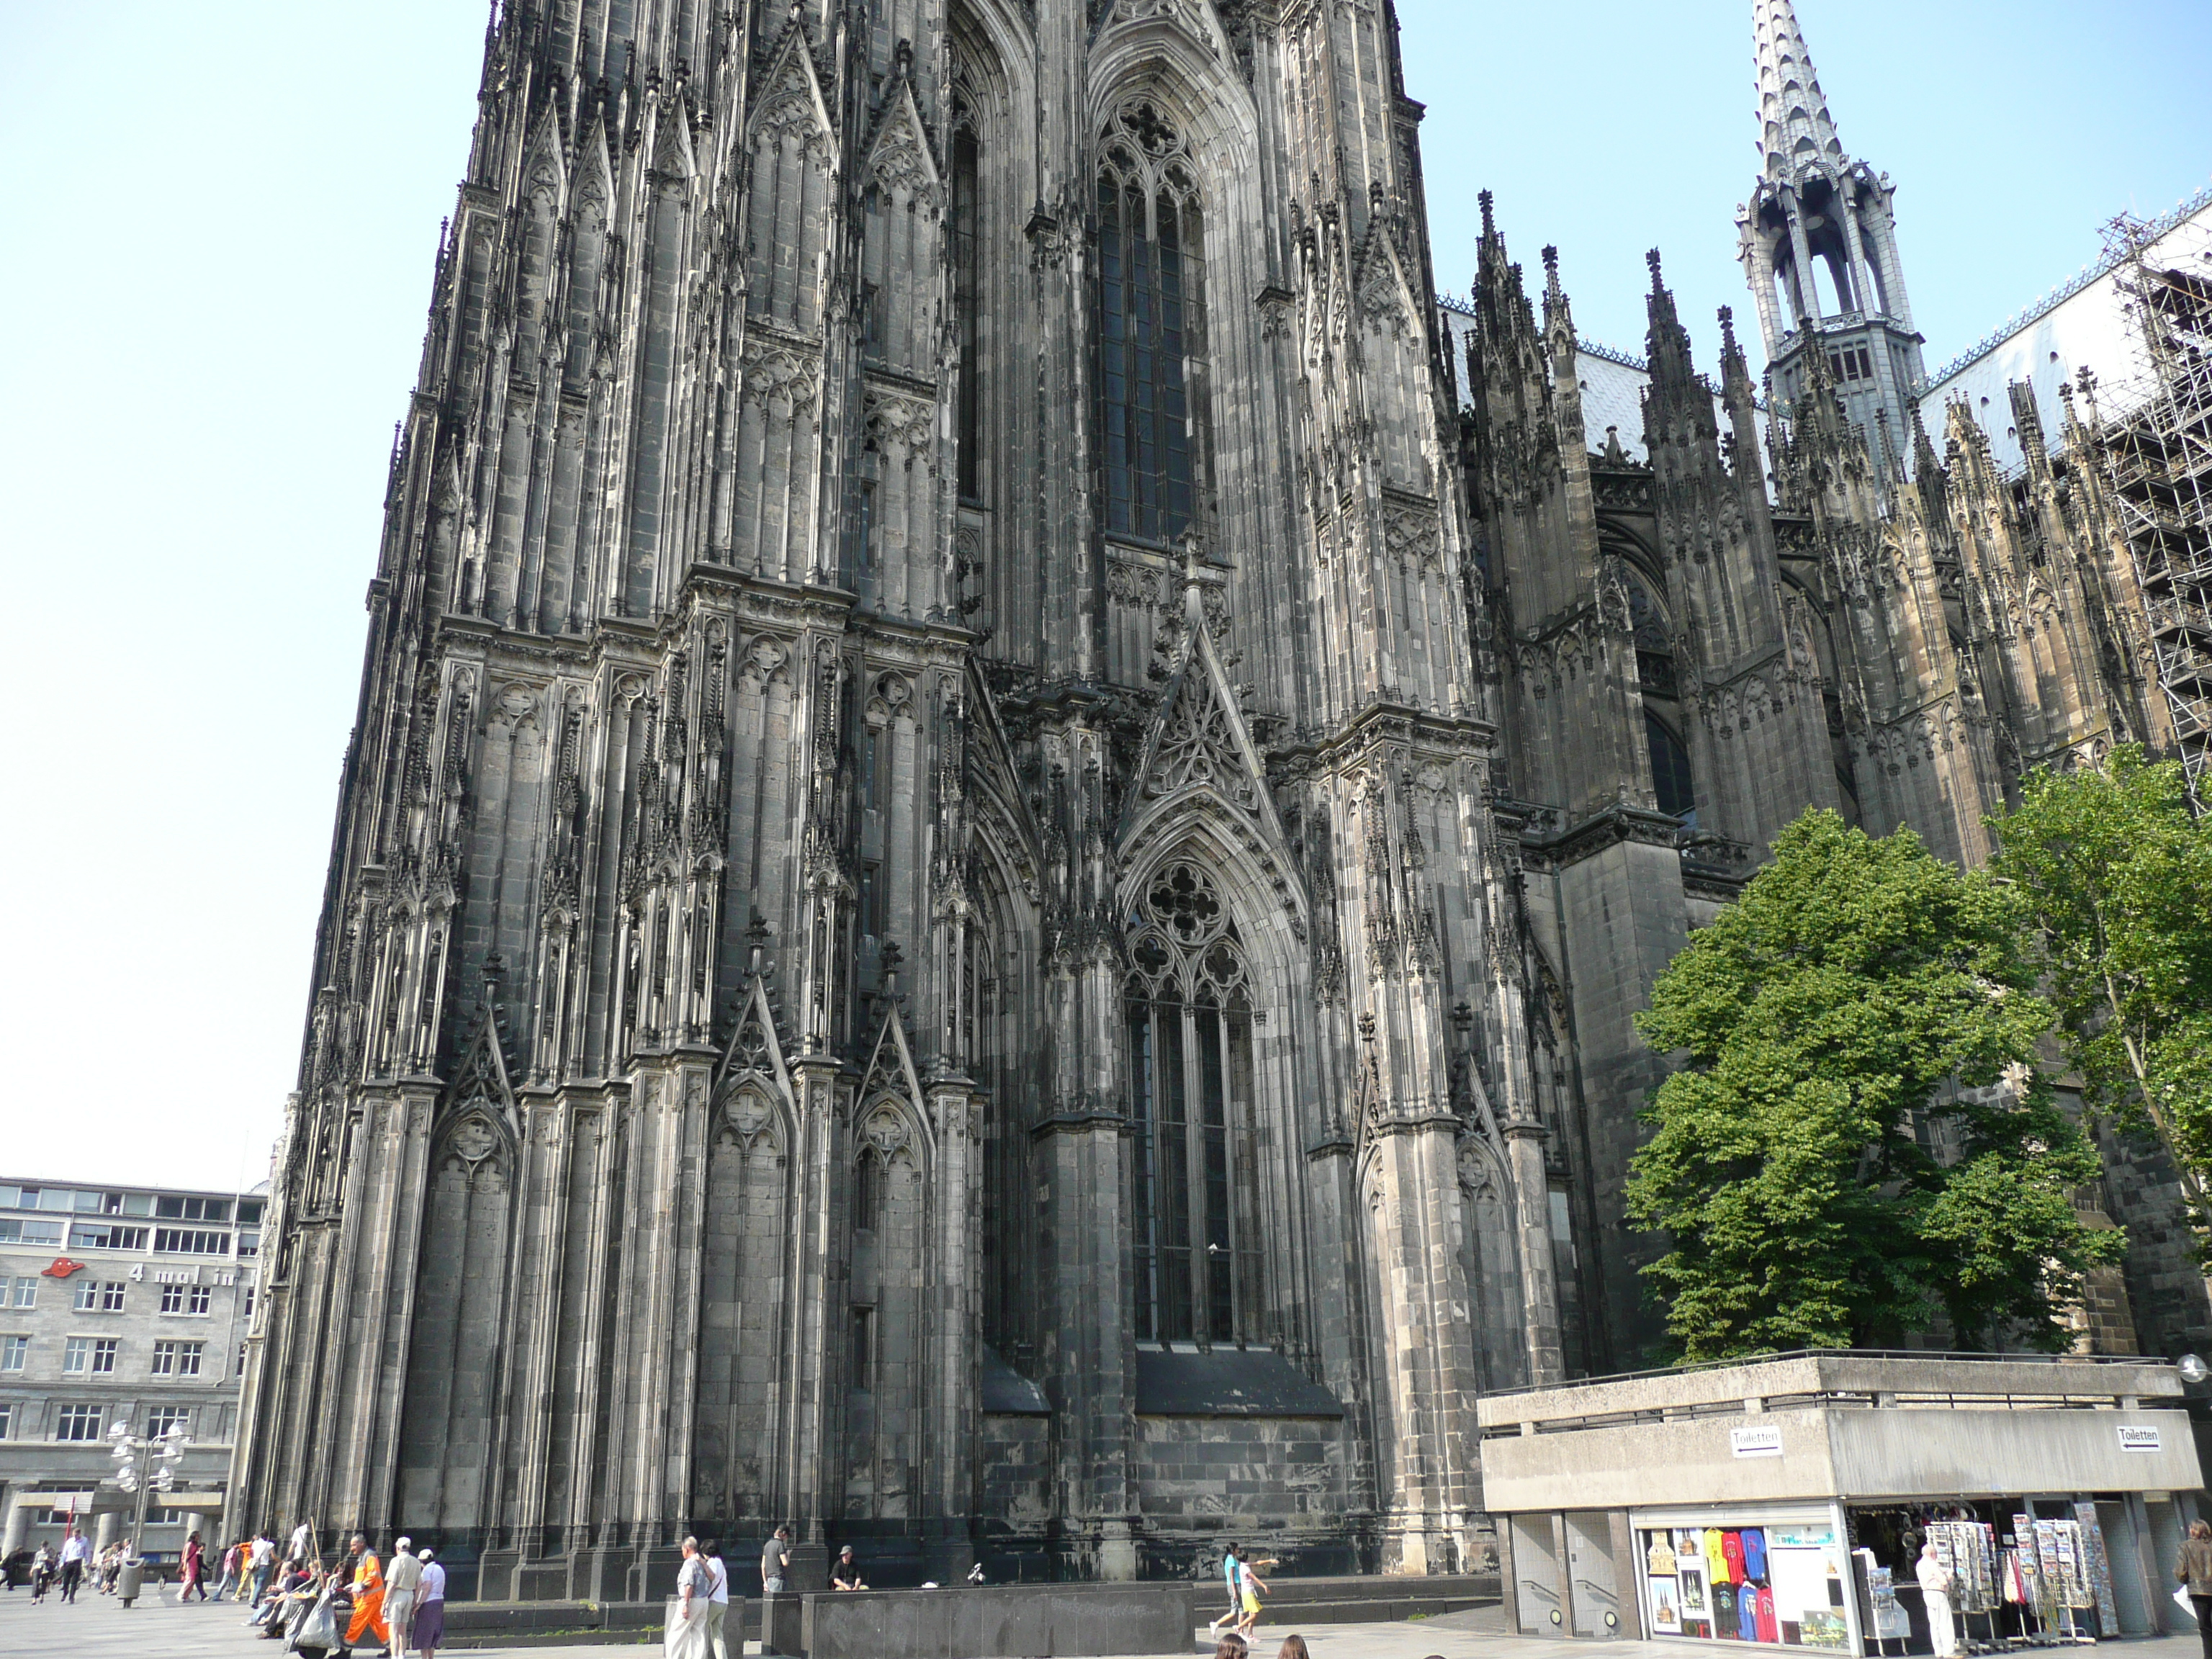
x=1796, y=133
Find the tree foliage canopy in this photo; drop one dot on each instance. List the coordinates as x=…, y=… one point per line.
x=1860, y=1140
x=2114, y=876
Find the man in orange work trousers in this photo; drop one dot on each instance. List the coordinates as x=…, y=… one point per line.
x=367, y=1595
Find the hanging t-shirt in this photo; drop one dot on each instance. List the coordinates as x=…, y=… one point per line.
x=1732, y=1549
x=1724, y=1615
x=1746, y=1612
x=1770, y=1625
x=1754, y=1552
x=1717, y=1566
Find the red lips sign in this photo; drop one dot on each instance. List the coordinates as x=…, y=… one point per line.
x=63, y=1268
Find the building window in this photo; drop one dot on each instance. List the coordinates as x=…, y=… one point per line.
x=189, y=1241
x=16, y=1231
x=77, y=1422
x=1194, y=1209
x=199, y=1298
x=159, y=1420
x=1670, y=770
x=250, y=1292
x=966, y=272
x=867, y=1190
x=177, y=1358
x=13, y=1351
x=87, y=1298
x=23, y=1292
x=93, y=1356
x=7, y=1420
x=106, y=1236
x=95, y=1296
x=864, y=1347
x=173, y=1298
x=249, y=1246
x=193, y=1209
x=111, y=1296
x=1150, y=327
x=251, y=1210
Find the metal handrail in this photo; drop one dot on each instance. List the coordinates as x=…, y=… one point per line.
x=1691, y=1366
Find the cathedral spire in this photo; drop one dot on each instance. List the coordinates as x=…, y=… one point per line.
x=1795, y=131
x=1818, y=242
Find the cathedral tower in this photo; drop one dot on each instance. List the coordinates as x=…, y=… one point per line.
x=1818, y=242
x=917, y=918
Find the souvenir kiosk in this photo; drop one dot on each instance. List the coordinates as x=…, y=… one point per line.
x=1784, y=1502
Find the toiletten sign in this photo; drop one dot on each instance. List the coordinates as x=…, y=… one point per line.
x=1763, y=1440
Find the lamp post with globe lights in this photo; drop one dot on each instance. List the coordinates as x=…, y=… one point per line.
x=144, y=1465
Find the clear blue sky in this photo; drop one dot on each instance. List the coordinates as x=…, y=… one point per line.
x=222, y=221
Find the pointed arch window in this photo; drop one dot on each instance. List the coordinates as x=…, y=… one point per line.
x=967, y=274
x=1194, y=1210
x=1149, y=331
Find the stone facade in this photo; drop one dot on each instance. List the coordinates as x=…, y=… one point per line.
x=1000, y=849
x=923, y=802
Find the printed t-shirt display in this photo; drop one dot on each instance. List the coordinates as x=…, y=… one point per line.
x=1780, y=1585
x=1732, y=1553
x=1717, y=1566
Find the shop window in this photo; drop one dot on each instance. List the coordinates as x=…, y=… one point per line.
x=1779, y=1585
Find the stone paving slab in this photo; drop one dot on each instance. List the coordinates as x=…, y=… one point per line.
x=98, y=1628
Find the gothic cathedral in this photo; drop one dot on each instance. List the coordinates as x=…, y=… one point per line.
x=1008, y=805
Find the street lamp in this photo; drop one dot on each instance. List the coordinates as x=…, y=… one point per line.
x=144, y=1465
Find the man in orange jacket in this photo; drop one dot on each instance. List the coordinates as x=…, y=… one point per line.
x=367, y=1595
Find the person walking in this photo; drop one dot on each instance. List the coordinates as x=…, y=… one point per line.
x=229, y=1580
x=402, y=1581
x=717, y=1600
x=686, y=1635
x=2195, y=1573
x=367, y=1597
x=195, y=1570
x=429, y=1606
x=1236, y=1597
x=1249, y=1588
x=76, y=1550
x=42, y=1573
x=262, y=1563
x=776, y=1561
x=1935, y=1596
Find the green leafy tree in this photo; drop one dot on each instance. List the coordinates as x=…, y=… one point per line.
x=1861, y=1001
x=2114, y=874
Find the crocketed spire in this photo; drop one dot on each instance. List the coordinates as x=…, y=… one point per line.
x=1794, y=131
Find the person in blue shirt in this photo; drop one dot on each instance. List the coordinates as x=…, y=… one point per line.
x=1235, y=1596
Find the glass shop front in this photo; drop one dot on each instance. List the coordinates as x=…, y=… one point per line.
x=1777, y=1575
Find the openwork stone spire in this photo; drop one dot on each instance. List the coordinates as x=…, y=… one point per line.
x=1796, y=132
x=1818, y=241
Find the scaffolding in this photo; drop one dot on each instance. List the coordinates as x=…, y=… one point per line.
x=2157, y=449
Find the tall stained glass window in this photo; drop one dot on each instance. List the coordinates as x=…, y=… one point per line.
x=1150, y=329
x=1194, y=1214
